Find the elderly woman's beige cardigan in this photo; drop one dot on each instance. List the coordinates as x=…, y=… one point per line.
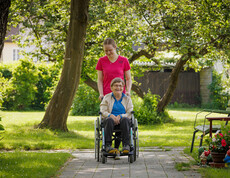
x=106, y=105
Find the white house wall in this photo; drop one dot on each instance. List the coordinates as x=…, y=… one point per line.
x=8, y=52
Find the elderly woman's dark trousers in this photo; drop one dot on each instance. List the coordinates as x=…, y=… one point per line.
x=123, y=126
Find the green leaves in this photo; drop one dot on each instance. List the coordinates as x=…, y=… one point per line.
x=195, y=29
x=86, y=102
x=45, y=25
x=26, y=85
x=146, y=110
x=219, y=92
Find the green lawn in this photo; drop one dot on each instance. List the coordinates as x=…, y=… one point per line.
x=31, y=164
x=20, y=135
x=20, y=132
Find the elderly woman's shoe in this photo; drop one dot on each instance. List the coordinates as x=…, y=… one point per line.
x=126, y=149
x=110, y=149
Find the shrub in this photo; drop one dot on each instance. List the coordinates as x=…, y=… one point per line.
x=30, y=85
x=47, y=79
x=86, y=102
x=3, y=86
x=6, y=70
x=218, y=93
x=146, y=110
x=21, y=87
x=25, y=77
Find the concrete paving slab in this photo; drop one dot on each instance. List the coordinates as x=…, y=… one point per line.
x=152, y=163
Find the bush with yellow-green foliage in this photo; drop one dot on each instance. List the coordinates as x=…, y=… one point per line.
x=27, y=85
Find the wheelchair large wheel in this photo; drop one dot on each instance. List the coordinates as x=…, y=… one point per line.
x=97, y=140
x=136, y=140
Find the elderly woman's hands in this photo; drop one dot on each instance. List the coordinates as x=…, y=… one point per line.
x=116, y=119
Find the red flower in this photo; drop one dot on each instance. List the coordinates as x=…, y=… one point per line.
x=221, y=134
x=223, y=142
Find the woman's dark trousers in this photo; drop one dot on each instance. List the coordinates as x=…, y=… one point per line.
x=123, y=126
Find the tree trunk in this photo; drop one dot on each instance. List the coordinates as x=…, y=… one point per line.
x=4, y=11
x=61, y=101
x=173, y=79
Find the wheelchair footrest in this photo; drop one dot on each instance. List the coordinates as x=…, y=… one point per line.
x=114, y=154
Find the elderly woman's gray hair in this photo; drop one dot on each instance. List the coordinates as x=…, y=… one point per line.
x=117, y=80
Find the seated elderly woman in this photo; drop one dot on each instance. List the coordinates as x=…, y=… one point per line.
x=116, y=108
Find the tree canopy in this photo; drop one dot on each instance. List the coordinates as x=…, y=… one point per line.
x=197, y=31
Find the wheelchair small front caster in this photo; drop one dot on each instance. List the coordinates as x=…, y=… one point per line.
x=131, y=158
x=103, y=159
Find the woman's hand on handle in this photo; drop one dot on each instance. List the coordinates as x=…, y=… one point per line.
x=101, y=97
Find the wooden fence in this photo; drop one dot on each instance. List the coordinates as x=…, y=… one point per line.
x=187, y=90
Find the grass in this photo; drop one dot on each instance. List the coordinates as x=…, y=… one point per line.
x=215, y=173
x=182, y=166
x=29, y=164
x=20, y=133
x=178, y=133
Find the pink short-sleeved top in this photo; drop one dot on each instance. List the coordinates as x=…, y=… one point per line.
x=112, y=70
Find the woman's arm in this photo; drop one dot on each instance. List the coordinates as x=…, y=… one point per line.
x=100, y=84
x=128, y=82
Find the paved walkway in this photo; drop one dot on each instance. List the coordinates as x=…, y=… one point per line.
x=151, y=163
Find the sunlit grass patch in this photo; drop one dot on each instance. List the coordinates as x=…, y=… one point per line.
x=21, y=134
x=31, y=164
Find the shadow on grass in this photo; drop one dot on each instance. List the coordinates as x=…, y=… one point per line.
x=83, y=125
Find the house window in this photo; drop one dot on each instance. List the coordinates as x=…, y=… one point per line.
x=16, y=55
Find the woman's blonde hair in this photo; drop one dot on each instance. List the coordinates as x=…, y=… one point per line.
x=110, y=41
x=117, y=80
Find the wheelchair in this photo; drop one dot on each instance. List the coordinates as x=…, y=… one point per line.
x=100, y=153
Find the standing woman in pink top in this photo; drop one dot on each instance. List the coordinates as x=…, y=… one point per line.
x=111, y=66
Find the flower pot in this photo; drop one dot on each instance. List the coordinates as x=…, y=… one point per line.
x=218, y=157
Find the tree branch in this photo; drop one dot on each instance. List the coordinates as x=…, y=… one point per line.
x=142, y=53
